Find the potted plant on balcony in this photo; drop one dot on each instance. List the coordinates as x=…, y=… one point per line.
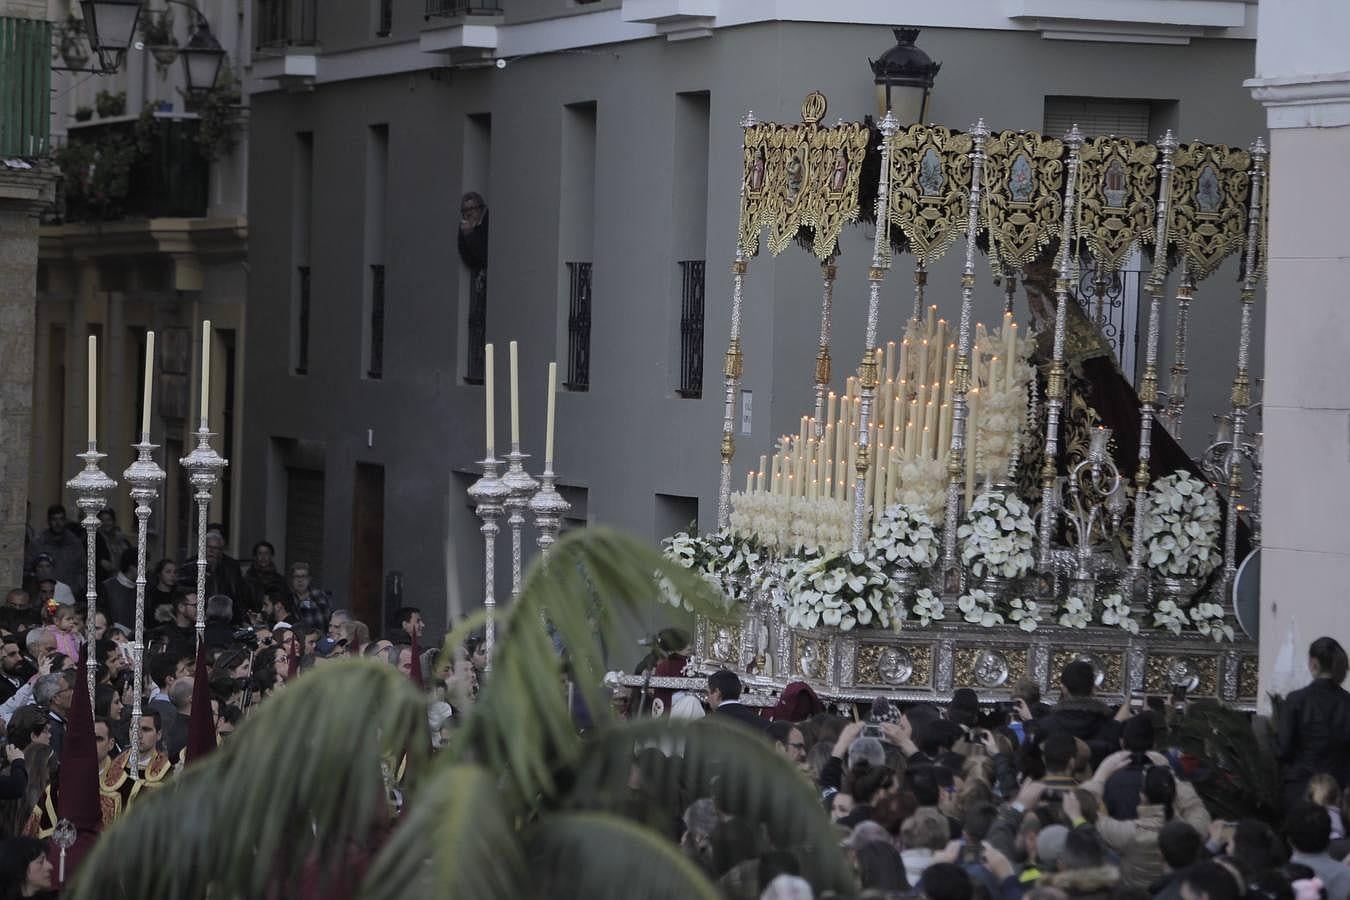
x=84, y=113
x=219, y=112
x=71, y=47
x=110, y=104
x=157, y=32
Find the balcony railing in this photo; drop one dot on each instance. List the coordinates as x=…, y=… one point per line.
x=449, y=8
x=477, y=364
x=302, y=323
x=286, y=23
x=376, y=369
x=25, y=87
x=579, y=326
x=147, y=168
x=691, y=328
x=386, y=23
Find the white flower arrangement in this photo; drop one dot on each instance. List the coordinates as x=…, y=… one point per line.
x=1181, y=527
x=928, y=607
x=977, y=608
x=923, y=485
x=1075, y=613
x=1026, y=613
x=1169, y=616
x=904, y=537
x=726, y=560
x=998, y=536
x=788, y=523
x=846, y=591
x=1209, y=621
x=1116, y=612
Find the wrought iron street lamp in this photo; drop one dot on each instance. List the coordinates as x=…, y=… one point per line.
x=111, y=26
x=202, y=58
x=904, y=78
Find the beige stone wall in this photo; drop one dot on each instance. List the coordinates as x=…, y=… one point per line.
x=24, y=9
x=22, y=194
x=1305, y=563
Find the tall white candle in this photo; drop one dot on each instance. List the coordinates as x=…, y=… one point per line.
x=205, y=410
x=488, y=399
x=145, y=388
x=1012, y=355
x=552, y=402
x=93, y=390
x=515, y=398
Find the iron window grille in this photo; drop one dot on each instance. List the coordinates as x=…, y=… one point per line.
x=579, y=326
x=691, y=328
x=302, y=324
x=477, y=326
x=376, y=369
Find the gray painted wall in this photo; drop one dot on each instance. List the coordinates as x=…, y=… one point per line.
x=631, y=436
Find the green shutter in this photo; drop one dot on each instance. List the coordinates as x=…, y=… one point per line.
x=25, y=87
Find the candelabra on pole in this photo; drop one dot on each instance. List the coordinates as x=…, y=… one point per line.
x=732, y=365
x=1242, y=387
x=548, y=507
x=868, y=375
x=91, y=488
x=1056, y=388
x=489, y=494
x=144, y=476
x=203, y=466
x=520, y=488
x=956, y=457
x=1148, y=385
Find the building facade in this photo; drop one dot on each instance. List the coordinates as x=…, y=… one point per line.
x=604, y=138
x=148, y=232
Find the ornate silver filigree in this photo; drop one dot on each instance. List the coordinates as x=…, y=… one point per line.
x=91, y=488
x=144, y=477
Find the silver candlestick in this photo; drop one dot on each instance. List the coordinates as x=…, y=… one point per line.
x=1094, y=485
x=868, y=374
x=1056, y=388
x=144, y=476
x=489, y=493
x=203, y=466
x=548, y=507
x=965, y=348
x=91, y=488
x=1148, y=385
x=521, y=487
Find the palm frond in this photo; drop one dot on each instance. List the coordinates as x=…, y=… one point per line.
x=599, y=856
x=301, y=776
x=1242, y=778
x=593, y=588
x=455, y=835
x=723, y=760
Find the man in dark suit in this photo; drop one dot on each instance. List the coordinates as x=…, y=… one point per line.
x=724, y=698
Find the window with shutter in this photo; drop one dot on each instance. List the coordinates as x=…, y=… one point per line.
x=1098, y=117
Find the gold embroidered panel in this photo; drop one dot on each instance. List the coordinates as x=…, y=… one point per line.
x=1023, y=204
x=1117, y=187
x=1210, y=189
x=930, y=188
x=801, y=176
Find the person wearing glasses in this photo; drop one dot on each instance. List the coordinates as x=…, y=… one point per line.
x=473, y=228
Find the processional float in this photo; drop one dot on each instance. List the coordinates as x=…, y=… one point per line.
x=973, y=491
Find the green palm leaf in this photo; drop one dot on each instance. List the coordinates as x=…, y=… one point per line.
x=598, y=856
x=301, y=776
x=594, y=588
x=455, y=835
x=724, y=760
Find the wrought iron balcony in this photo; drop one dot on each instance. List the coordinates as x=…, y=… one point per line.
x=448, y=8
x=286, y=23
x=145, y=168
x=579, y=326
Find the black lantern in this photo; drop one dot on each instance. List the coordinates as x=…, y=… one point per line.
x=202, y=59
x=111, y=25
x=904, y=77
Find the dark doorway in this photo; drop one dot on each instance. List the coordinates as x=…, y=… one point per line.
x=368, y=545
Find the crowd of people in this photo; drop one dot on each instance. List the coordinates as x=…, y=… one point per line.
x=1071, y=801
x=1074, y=800
x=263, y=629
